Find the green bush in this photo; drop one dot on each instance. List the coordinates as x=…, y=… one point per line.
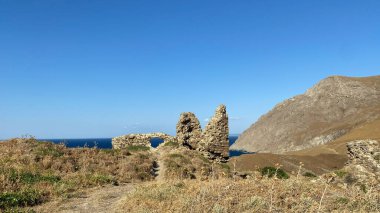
x=31, y=178
x=137, y=148
x=271, y=171
x=171, y=143
x=20, y=199
x=340, y=173
x=46, y=149
x=309, y=174
x=102, y=179
x=225, y=166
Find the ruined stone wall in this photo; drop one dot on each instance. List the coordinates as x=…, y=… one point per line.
x=189, y=131
x=213, y=142
x=215, y=139
x=139, y=140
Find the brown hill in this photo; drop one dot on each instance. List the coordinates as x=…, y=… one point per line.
x=320, y=159
x=327, y=111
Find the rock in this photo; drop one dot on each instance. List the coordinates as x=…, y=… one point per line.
x=139, y=140
x=189, y=130
x=215, y=136
x=364, y=160
x=324, y=113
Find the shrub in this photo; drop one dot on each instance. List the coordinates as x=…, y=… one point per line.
x=271, y=171
x=46, y=149
x=137, y=148
x=342, y=200
x=171, y=143
x=20, y=199
x=102, y=179
x=350, y=179
x=309, y=174
x=31, y=178
x=340, y=173
x=225, y=166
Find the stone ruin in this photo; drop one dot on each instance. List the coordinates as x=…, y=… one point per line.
x=189, y=131
x=140, y=140
x=213, y=142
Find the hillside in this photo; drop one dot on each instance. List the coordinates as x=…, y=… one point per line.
x=320, y=159
x=326, y=112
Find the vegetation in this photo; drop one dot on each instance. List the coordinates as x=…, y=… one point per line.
x=137, y=148
x=172, y=144
x=33, y=172
x=20, y=198
x=255, y=194
x=187, y=164
x=271, y=172
x=341, y=173
x=309, y=174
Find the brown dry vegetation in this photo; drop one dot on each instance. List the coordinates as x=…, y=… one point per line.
x=33, y=172
x=183, y=163
x=256, y=194
x=65, y=179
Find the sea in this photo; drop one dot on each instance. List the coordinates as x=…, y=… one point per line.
x=106, y=143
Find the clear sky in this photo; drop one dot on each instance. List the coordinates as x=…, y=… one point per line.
x=96, y=68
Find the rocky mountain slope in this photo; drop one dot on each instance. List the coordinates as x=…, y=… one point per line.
x=327, y=111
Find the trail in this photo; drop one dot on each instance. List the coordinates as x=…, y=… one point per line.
x=101, y=199
x=159, y=168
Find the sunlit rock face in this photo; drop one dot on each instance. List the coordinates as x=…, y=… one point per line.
x=189, y=130
x=215, y=136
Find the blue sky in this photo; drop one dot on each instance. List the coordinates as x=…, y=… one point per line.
x=81, y=68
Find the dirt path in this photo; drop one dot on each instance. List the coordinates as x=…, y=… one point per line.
x=160, y=168
x=102, y=199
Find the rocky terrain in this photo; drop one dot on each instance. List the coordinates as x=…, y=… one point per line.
x=332, y=108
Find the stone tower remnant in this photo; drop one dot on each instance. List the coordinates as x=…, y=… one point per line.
x=189, y=130
x=215, y=136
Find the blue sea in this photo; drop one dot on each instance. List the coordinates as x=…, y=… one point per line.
x=106, y=143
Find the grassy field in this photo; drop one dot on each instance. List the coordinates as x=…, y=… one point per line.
x=256, y=194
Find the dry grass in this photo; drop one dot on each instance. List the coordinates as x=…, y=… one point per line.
x=190, y=164
x=33, y=172
x=257, y=194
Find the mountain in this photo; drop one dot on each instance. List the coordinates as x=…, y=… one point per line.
x=326, y=112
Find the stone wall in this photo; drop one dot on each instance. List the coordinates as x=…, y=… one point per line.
x=139, y=140
x=215, y=139
x=189, y=131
